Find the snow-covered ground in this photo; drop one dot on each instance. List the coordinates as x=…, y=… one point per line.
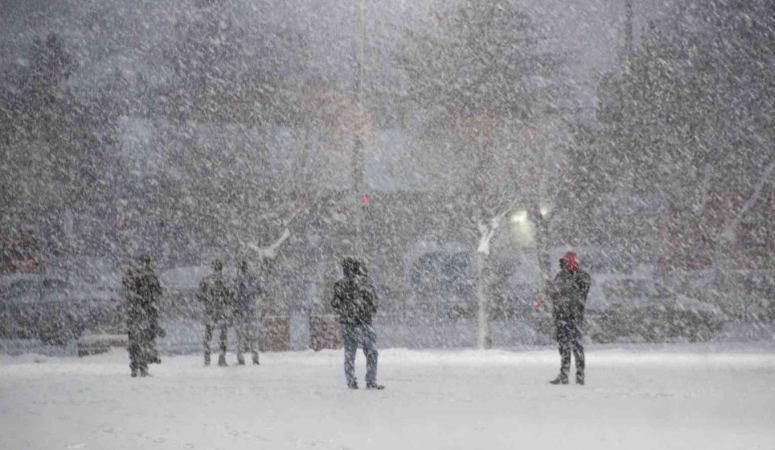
x=718, y=396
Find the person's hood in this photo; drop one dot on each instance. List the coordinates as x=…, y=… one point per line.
x=351, y=267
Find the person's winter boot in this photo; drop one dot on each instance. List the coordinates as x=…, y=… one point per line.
x=561, y=379
x=353, y=385
x=256, y=363
x=240, y=361
x=207, y=359
x=222, y=361
x=580, y=378
x=376, y=386
x=143, y=373
x=134, y=373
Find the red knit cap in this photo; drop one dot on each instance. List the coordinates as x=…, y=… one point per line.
x=571, y=261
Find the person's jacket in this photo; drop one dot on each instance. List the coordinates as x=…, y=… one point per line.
x=217, y=296
x=143, y=294
x=355, y=299
x=569, y=296
x=248, y=293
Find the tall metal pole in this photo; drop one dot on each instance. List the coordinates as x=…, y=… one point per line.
x=628, y=36
x=361, y=47
x=357, y=161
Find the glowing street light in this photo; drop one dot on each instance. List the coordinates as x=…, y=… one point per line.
x=519, y=217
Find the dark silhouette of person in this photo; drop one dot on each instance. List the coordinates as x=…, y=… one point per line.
x=143, y=294
x=248, y=294
x=568, y=293
x=355, y=300
x=218, y=298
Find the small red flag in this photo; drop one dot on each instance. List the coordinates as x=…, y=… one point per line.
x=365, y=198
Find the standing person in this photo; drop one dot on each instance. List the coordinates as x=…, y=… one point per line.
x=218, y=298
x=569, y=292
x=143, y=292
x=248, y=293
x=356, y=302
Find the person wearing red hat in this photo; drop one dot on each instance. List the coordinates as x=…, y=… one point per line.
x=569, y=292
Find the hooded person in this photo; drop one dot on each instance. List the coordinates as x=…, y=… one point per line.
x=143, y=295
x=568, y=293
x=355, y=301
x=217, y=295
x=248, y=295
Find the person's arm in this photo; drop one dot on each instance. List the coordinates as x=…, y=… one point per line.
x=154, y=313
x=231, y=290
x=156, y=287
x=555, y=288
x=240, y=289
x=127, y=284
x=371, y=297
x=230, y=299
x=584, y=284
x=153, y=309
x=202, y=294
x=336, y=299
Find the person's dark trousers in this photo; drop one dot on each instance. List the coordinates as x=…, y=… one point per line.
x=136, y=360
x=141, y=351
x=566, y=347
x=364, y=336
x=246, y=340
x=209, y=336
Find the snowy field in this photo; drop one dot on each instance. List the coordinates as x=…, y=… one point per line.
x=668, y=397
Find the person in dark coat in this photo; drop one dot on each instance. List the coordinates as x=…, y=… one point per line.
x=143, y=293
x=248, y=294
x=355, y=301
x=569, y=292
x=217, y=296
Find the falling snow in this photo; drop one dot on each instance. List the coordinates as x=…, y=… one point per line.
x=457, y=150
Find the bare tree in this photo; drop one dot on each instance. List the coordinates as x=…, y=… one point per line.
x=679, y=126
x=57, y=165
x=478, y=74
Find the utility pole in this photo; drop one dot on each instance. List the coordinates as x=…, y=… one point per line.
x=628, y=36
x=357, y=157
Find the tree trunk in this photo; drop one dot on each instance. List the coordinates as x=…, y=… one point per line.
x=485, y=336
